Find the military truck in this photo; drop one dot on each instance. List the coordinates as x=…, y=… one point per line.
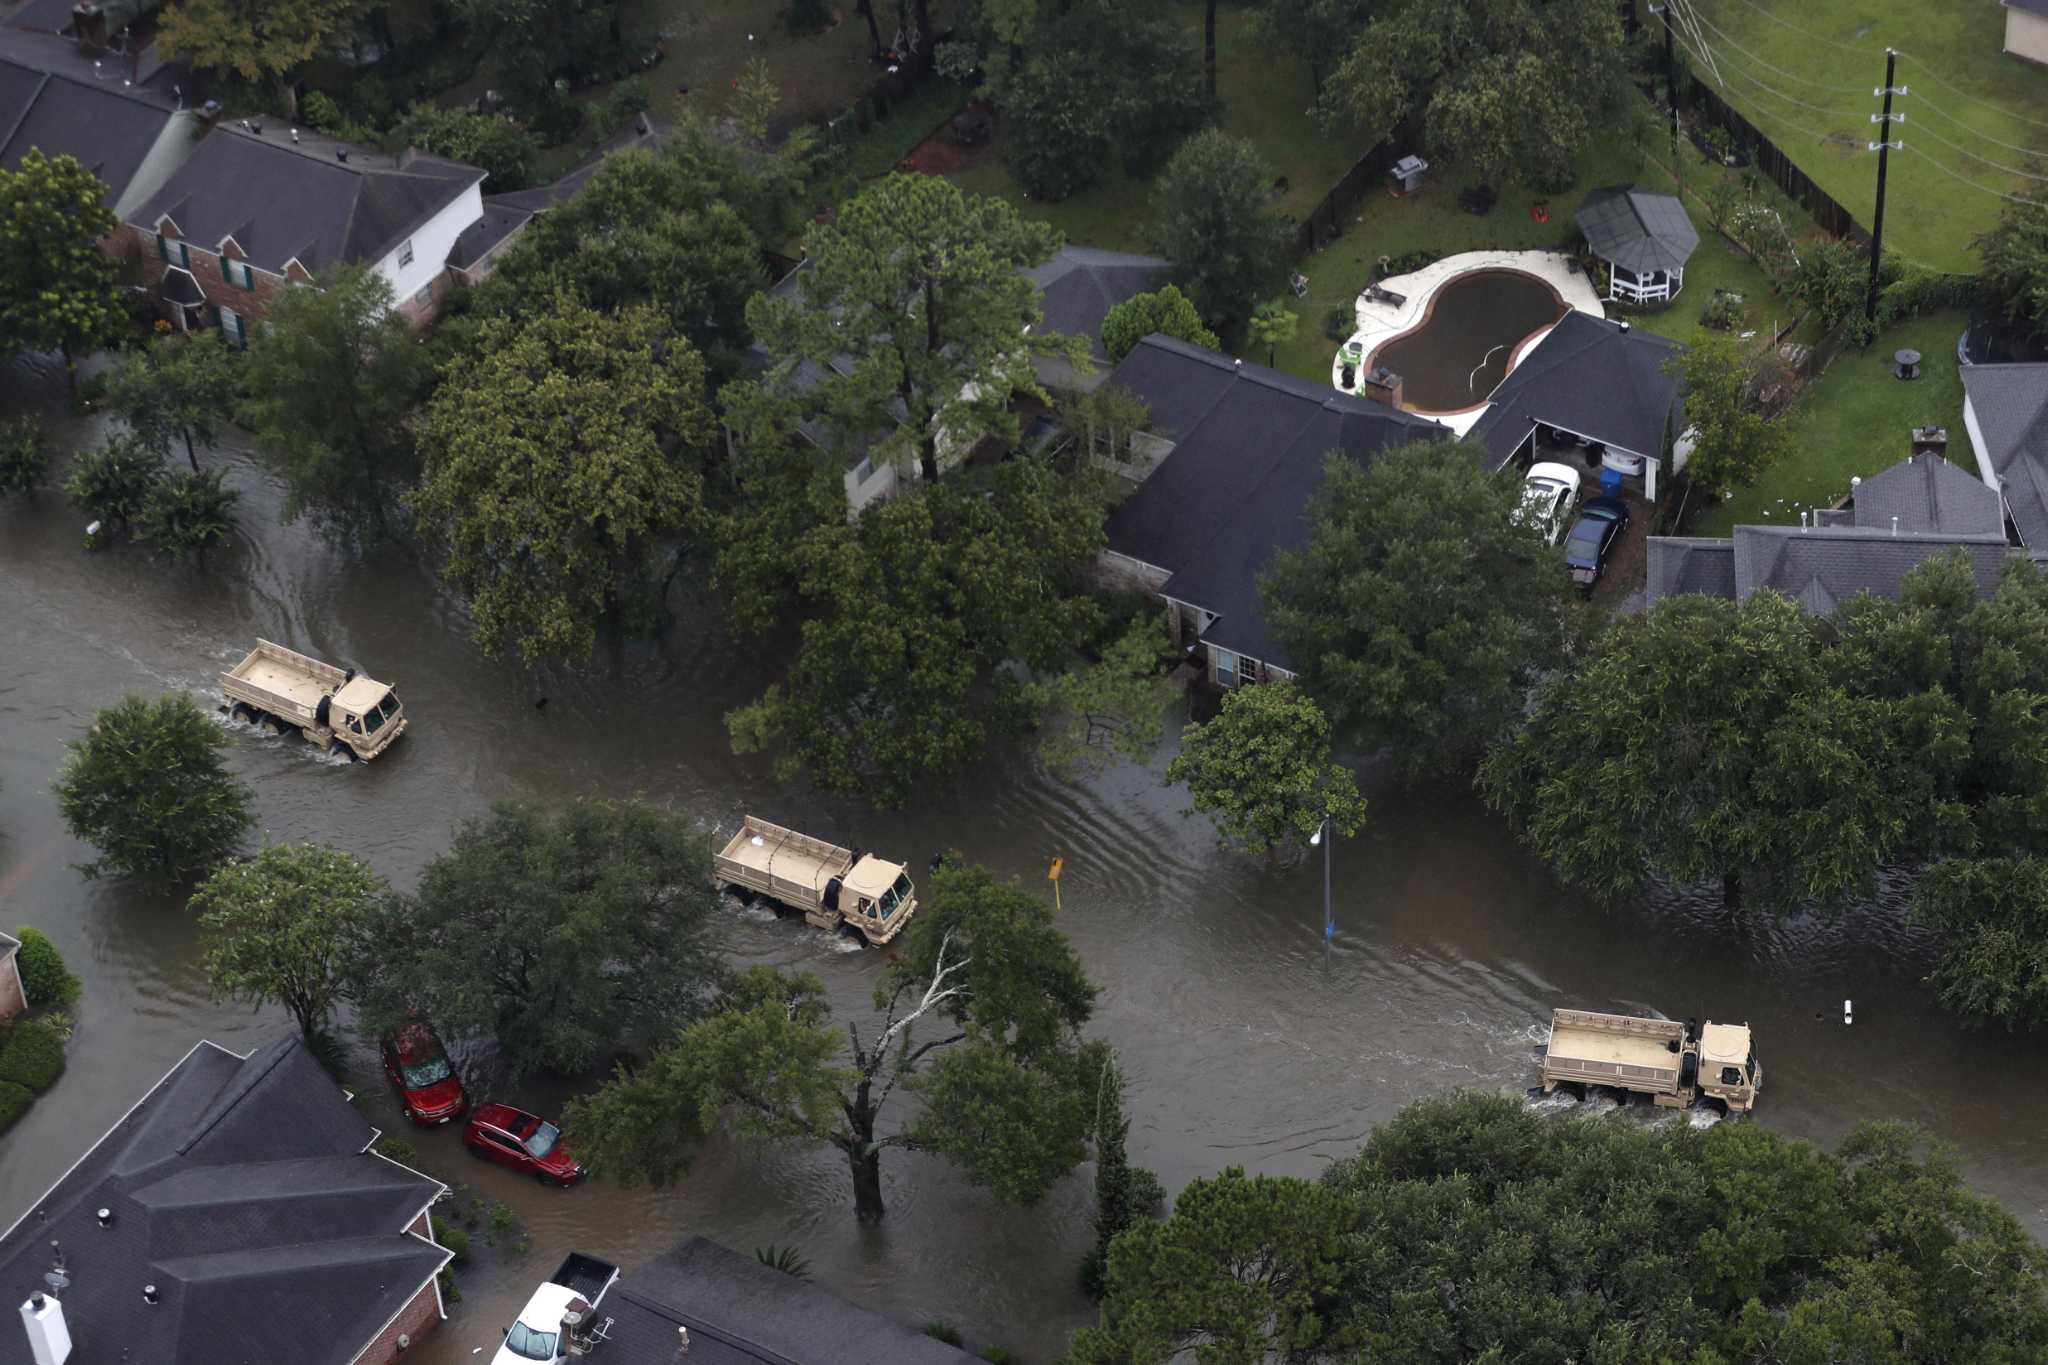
x=1672, y=1063
x=558, y=1321
x=348, y=715
x=830, y=885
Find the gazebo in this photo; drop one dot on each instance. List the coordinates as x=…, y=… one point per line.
x=1645, y=239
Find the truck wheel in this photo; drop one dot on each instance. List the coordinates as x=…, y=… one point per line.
x=281, y=725
x=336, y=749
x=243, y=712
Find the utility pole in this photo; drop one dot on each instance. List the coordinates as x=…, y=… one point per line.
x=1883, y=148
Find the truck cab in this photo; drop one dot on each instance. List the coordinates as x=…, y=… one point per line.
x=366, y=716
x=876, y=897
x=1728, y=1069
x=558, y=1321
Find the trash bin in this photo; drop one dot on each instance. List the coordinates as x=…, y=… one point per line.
x=1610, y=481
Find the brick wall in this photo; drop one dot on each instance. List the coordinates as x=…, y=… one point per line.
x=250, y=303
x=12, y=999
x=420, y=314
x=419, y=1317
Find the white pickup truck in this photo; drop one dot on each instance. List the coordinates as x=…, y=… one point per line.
x=342, y=712
x=560, y=1320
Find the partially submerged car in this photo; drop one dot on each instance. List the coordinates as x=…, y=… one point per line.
x=1548, y=492
x=1593, y=537
x=429, y=1091
x=525, y=1142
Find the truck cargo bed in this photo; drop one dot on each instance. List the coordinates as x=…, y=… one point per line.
x=586, y=1275
x=789, y=866
x=1615, y=1049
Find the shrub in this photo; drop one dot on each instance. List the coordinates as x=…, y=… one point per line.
x=998, y=1355
x=1722, y=312
x=33, y=1056
x=369, y=102
x=807, y=16
x=941, y=1330
x=24, y=455
x=400, y=1151
x=44, y=978
x=1339, y=322
x=320, y=111
x=14, y=1102
x=501, y=146
x=628, y=97
x=187, y=513
x=501, y=1222
x=453, y=1238
x=112, y=483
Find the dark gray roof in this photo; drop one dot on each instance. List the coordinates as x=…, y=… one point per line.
x=1637, y=229
x=2010, y=403
x=1824, y=568
x=1927, y=493
x=740, y=1312
x=643, y=131
x=1249, y=454
x=1682, y=564
x=2039, y=7
x=282, y=203
x=479, y=238
x=109, y=132
x=1078, y=287
x=240, y=1187
x=1603, y=380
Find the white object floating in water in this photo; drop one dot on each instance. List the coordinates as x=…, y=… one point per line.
x=1848, y=1012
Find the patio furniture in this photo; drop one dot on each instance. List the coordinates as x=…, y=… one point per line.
x=1375, y=294
x=1407, y=174
x=1906, y=364
x=1299, y=284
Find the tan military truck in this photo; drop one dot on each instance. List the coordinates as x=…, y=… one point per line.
x=346, y=714
x=829, y=884
x=1672, y=1063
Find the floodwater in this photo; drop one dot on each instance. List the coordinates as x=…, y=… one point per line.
x=1464, y=346
x=1246, y=1040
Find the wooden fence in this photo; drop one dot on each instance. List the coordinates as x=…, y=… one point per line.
x=1826, y=210
x=1326, y=221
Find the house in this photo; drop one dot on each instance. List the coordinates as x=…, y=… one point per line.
x=130, y=143
x=1919, y=509
x=1645, y=238
x=730, y=1309
x=251, y=212
x=1236, y=453
x=2026, y=29
x=234, y=1216
x=1588, y=380
x=13, y=998
x=2005, y=412
x=1076, y=290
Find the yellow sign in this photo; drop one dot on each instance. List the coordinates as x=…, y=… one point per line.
x=1054, y=874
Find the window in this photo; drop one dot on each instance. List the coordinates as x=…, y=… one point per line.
x=405, y=253
x=427, y=1073
x=528, y=1344
x=426, y=294
x=1226, y=666
x=231, y=326
x=172, y=250
x=238, y=273
x=543, y=1140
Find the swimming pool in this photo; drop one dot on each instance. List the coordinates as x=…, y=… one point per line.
x=1468, y=339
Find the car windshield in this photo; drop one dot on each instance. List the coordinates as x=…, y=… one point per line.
x=543, y=1140
x=894, y=896
x=1587, y=532
x=524, y=1341
x=430, y=1072
x=374, y=718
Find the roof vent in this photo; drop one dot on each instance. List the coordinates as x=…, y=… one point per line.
x=106, y=1217
x=341, y=154
x=150, y=1294
x=1624, y=324
x=1895, y=525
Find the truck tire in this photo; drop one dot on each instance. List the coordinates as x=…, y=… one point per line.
x=243, y=712
x=281, y=725
x=336, y=748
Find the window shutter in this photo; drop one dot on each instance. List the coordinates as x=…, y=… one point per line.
x=163, y=247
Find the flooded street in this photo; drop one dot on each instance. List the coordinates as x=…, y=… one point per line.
x=1245, y=1040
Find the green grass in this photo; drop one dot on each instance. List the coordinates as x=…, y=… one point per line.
x=1856, y=420
x=1266, y=96
x=1835, y=60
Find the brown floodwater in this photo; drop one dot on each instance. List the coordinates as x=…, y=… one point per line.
x=1246, y=1040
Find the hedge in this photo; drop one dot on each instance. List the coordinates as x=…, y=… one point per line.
x=33, y=1056
x=14, y=1102
x=44, y=978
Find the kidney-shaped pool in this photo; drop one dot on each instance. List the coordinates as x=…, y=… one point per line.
x=1467, y=340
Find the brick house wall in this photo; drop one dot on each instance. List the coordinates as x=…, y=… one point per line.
x=132, y=242
x=414, y=1321
x=13, y=1000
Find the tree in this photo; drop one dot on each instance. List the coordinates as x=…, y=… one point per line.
x=24, y=455
x=147, y=787
x=979, y=1019
x=57, y=285
x=1419, y=611
x=1271, y=325
x=1113, y=706
x=1469, y=1229
x=331, y=387
x=45, y=980
x=534, y=41
x=560, y=937
x=1318, y=32
x=1124, y=1193
x=558, y=459
x=282, y=928
x=257, y=40
x=920, y=287
x=498, y=144
x=1993, y=916
x=1733, y=440
x=176, y=387
x=2013, y=265
x=113, y=484
x=1166, y=310
x=187, y=513
x=1261, y=769
x=1705, y=740
x=910, y=611
x=1212, y=216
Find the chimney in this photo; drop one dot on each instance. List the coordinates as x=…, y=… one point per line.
x=1930, y=441
x=89, y=26
x=49, y=1339
x=1382, y=385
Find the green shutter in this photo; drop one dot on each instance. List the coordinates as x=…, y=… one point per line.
x=163, y=247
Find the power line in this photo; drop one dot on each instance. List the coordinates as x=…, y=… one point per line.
x=1925, y=131
x=1954, y=175
x=1975, y=131
x=1857, y=90
x=1810, y=37
x=1774, y=91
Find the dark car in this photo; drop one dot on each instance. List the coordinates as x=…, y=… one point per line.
x=1592, y=537
x=428, y=1089
x=523, y=1141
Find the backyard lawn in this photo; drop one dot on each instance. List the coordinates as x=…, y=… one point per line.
x=1829, y=57
x=1856, y=420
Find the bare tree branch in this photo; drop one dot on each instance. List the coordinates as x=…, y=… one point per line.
x=934, y=994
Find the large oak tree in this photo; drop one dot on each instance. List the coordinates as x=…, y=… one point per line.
x=57, y=285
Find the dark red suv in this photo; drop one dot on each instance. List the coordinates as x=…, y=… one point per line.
x=523, y=1141
x=428, y=1088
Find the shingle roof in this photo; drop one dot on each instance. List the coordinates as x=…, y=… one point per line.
x=1637, y=229
x=1928, y=493
x=1076, y=290
x=740, y=1312
x=2039, y=7
x=2010, y=403
x=1248, y=456
x=643, y=131
x=1823, y=568
x=282, y=203
x=110, y=133
x=240, y=1187
x=1682, y=564
x=1603, y=380
x=481, y=237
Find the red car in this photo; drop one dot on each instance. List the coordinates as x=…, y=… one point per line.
x=428, y=1088
x=523, y=1141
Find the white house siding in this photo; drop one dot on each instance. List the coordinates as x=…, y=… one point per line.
x=867, y=481
x=1984, y=469
x=2026, y=35
x=431, y=243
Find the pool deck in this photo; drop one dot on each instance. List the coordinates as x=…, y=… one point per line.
x=1379, y=322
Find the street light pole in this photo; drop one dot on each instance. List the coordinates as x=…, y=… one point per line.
x=1321, y=836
